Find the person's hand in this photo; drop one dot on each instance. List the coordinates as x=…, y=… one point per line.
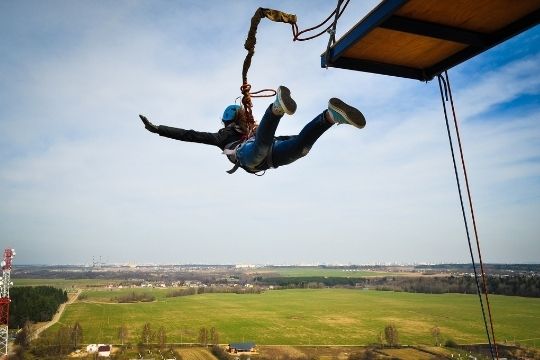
x=148, y=125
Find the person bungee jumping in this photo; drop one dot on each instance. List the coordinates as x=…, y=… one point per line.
x=263, y=150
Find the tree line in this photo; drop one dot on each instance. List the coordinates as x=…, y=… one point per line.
x=522, y=285
x=48, y=346
x=518, y=285
x=134, y=297
x=213, y=290
x=36, y=304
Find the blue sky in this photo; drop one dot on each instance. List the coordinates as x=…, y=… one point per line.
x=81, y=178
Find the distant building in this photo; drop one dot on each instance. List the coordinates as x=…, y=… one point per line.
x=104, y=350
x=235, y=348
x=92, y=348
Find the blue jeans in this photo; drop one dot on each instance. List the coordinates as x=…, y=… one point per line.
x=266, y=150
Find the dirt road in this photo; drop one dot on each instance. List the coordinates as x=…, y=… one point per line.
x=56, y=317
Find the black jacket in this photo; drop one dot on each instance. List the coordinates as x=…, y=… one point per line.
x=223, y=137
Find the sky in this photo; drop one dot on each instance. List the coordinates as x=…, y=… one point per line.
x=81, y=178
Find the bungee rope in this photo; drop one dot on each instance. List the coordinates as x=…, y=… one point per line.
x=445, y=83
x=249, y=45
x=332, y=30
x=336, y=13
x=251, y=40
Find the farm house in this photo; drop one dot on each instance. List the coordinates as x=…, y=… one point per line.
x=235, y=348
x=104, y=350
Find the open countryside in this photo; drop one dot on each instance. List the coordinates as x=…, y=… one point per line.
x=306, y=271
x=306, y=316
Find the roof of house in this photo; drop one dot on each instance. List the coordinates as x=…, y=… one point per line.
x=242, y=346
x=419, y=39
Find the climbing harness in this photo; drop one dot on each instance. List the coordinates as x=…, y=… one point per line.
x=444, y=82
x=231, y=150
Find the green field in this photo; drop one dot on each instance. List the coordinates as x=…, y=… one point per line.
x=106, y=295
x=63, y=283
x=325, y=316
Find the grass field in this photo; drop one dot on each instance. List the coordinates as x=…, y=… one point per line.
x=63, y=283
x=318, y=316
x=105, y=295
x=196, y=354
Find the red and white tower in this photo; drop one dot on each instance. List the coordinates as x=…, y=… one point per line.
x=5, y=300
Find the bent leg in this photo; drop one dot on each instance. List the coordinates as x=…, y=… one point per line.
x=253, y=153
x=295, y=147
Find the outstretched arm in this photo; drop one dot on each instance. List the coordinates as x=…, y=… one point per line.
x=182, y=134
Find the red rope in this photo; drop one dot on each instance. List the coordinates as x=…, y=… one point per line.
x=484, y=284
x=296, y=33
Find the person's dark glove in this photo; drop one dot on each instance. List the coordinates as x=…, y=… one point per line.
x=148, y=125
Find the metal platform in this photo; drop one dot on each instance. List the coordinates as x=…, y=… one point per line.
x=419, y=39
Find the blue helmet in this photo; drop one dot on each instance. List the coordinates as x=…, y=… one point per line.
x=230, y=113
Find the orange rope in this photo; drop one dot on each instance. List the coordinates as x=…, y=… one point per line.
x=251, y=40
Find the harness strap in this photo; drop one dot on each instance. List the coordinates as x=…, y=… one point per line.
x=230, y=152
x=234, y=168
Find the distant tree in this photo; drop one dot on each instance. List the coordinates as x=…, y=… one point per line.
x=63, y=340
x=391, y=335
x=356, y=356
x=122, y=333
x=218, y=352
x=38, y=303
x=364, y=355
x=24, y=336
x=203, y=336
x=161, y=337
x=134, y=297
x=450, y=343
x=436, y=333
x=18, y=353
x=370, y=355
x=44, y=346
x=76, y=335
x=380, y=338
x=146, y=335
x=214, y=336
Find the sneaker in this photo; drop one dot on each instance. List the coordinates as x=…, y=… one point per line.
x=284, y=103
x=345, y=114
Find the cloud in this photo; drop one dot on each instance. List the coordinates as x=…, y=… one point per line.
x=81, y=177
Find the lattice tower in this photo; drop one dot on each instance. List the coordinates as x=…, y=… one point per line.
x=5, y=300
